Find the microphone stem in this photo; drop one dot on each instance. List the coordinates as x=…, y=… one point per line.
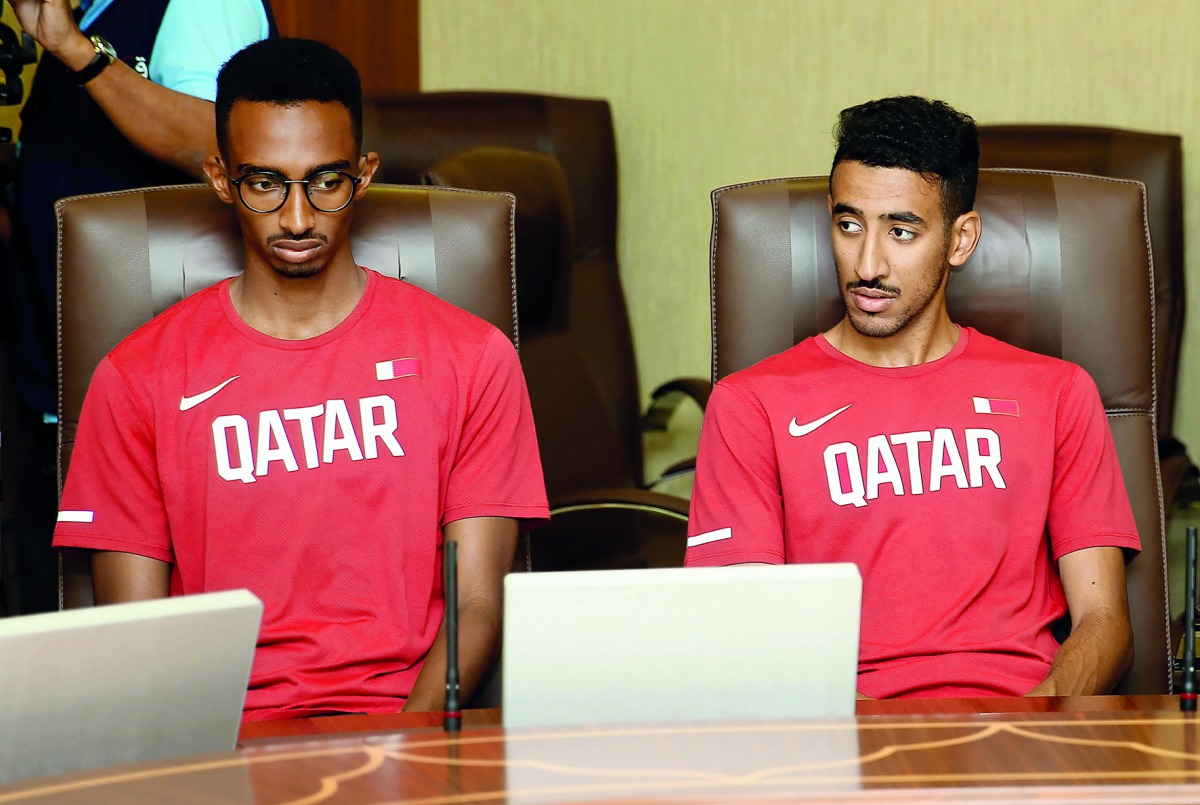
x=1187, y=694
x=452, y=716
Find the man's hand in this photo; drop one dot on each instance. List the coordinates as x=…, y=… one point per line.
x=51, y=23
x=121, y=577
x=170, y=126
x=1100, y=649
x=486, y=546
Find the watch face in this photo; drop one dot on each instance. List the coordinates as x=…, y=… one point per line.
x=102, y=46
x=105, y=55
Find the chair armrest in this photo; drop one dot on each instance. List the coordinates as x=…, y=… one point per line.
x=1175, y=467
x=608, y=529
x=630, y=499
x=666, y=399
x=677, y=470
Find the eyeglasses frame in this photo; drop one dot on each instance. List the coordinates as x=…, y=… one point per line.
x=237, y=183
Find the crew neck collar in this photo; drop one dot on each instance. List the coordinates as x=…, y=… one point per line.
x=964, y=335
x=324, y=338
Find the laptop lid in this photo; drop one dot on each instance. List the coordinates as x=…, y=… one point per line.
x=680, y=644
x=126, y=682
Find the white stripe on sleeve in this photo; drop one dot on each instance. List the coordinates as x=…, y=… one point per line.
x=67, y=516
x=711, y=536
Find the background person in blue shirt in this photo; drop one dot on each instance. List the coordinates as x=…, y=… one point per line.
x=122, y=98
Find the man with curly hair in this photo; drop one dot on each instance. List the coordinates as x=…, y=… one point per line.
x=974, y=484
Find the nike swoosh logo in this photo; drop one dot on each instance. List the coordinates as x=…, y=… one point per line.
x=186, y=403
x=798, y=430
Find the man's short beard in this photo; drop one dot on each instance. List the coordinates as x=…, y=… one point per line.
x=294, y=272
x=291, y=270
x=872, y=326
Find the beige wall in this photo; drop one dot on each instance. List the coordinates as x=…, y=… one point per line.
x=710, y=92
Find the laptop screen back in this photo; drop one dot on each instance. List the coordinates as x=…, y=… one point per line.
x=122, y=683
x=680, y=644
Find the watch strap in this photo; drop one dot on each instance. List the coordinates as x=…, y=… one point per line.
x=104, y=57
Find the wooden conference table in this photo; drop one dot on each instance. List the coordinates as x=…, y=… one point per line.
x=1136, y=749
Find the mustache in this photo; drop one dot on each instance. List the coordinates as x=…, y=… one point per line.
x=310, y=235
x=873, y=285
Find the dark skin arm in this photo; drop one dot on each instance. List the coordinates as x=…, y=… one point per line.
x=485, y=553
x=1100, y=649
x=122, y=577
x=170, y=126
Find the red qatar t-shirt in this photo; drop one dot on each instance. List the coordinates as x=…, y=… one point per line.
x=318, y=474
x=953, y=485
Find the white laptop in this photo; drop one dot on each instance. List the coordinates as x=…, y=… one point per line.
x=123, y=683
x=680, y=644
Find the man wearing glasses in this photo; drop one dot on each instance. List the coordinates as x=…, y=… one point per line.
x=309, y=430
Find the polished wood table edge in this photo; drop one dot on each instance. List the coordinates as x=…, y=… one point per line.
x=1087, y=749
x=1035, y=720
x=983, y=705
x=425, y=737
x=288, y=731
x=262, y=733
x=1090, y=794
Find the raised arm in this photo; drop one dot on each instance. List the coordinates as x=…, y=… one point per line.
x=486, y=546
x=1100, y=648
x=170, y=126
x=120, y=577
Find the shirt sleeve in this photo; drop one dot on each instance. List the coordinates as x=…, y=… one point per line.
x=112, y=499
x=737, y=507
x=1089, y=506
x=197, y=37
x=497, y=471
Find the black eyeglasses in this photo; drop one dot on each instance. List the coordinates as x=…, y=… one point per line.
x=326, y=191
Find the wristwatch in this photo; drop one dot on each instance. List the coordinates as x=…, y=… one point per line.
x=105, y=55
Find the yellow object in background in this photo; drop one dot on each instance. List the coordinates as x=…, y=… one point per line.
x=10, y=115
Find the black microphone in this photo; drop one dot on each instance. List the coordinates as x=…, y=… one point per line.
x=451, y=714
x=1187, y=693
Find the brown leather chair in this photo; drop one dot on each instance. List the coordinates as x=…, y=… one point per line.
x=1155, y=160
x=600, y=518
x=125, y=257
x=412, y=132
x=773, y=284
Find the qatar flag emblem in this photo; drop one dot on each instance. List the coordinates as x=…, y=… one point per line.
x=401, y=367
x=987, y=405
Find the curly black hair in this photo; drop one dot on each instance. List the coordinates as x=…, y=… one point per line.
x=917, y=134
x=288, y=72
